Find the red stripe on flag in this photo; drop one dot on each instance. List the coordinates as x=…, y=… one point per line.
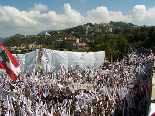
x=12, y=58
x=13, y=76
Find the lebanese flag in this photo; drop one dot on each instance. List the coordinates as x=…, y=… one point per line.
x=153, y=114
x=9, y=63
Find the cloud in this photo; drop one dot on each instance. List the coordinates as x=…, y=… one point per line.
x=101, y=14
x=72, y=15
x=138, y=13
x=14, y=21
x=39, y=7
x=82, y=1
x=142, y=16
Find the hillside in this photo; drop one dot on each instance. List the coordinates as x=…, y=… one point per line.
x=88, y=33
x=2, y=40
x=122, y=24
x=118, y=41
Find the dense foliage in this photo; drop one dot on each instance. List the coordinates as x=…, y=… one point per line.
x=122, y=24
x=143, y=36
x=116, y=44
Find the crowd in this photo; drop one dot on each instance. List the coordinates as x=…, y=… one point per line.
x=117, y=89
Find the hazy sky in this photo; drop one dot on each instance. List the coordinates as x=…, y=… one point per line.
x=33, y=16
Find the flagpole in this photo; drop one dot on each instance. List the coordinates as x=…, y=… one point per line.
x=40, y=56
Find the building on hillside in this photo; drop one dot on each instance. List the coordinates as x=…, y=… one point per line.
x=14, y=49
x=27, y=36
x=11, y=48
x=86, y=28
x=82, y=46
x=33, y=46
x=22, y=46
x=22, y=36
x=109, y=30
x=105, y=25
x=97, y=28
x=89, y=29
x=71, y=42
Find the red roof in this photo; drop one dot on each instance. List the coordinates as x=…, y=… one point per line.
x=81, y=47
x=82, y=44
x=60, y=39
x=86, y=47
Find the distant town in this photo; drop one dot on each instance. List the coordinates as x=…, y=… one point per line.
x=72, y=39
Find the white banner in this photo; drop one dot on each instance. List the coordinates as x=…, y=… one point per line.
x=58, y=59
x=83, y=86
x=55, y=60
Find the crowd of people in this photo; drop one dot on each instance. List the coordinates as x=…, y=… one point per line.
x=117, y=89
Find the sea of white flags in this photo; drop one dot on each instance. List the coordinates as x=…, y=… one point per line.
x=46, y=81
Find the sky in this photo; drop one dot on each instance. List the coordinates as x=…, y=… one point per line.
x=30, y=17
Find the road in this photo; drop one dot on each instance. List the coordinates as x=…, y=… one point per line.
x=152, y=101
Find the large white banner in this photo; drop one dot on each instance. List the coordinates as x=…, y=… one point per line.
x=29, y=61
x=58, y=59
x=55, y=60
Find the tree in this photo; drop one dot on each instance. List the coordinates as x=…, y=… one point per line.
x=117, y=46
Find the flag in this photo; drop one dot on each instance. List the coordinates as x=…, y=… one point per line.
x=9, y=63
x=34, y=42
x=153, y=114
x=52, y=111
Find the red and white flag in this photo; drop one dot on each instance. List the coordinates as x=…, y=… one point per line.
x=9, y=63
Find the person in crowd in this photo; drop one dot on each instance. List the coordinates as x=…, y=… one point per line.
x=117, y=89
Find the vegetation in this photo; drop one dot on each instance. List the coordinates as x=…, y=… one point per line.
x=144, y=36
x=116, y=44
x=122, y=24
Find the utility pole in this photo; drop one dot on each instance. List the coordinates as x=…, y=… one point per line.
x=105, y=43
x=104, y=32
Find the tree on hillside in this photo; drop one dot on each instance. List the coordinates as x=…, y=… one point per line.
x=117, y=46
